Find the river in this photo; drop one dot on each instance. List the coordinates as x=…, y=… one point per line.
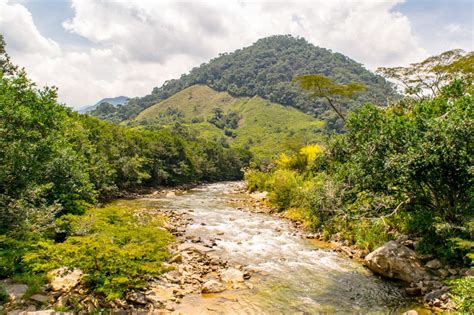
x=299, y=276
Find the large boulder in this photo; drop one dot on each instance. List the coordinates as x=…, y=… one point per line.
x=396, y=261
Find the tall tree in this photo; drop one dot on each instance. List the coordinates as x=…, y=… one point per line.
x=320, y=86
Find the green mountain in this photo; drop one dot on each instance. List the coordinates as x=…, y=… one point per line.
x=266, y=69
x=263, y=127
x=114, y=101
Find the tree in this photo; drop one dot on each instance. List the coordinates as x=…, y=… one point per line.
x=426, y=78
x=321, y=86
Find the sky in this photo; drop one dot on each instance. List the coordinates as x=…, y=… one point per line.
x=93, y=49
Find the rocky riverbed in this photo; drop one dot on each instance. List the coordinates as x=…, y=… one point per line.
x=232, y=257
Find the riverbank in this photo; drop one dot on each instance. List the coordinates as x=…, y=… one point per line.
x=431, y=291
x=225, y=259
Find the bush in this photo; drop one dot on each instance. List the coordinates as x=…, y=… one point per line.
x=284, y=186
x=115, y=247
x=256, y=180
x=462, y=294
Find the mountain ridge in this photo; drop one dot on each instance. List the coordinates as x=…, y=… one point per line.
x=267, y=68
x=111, y=100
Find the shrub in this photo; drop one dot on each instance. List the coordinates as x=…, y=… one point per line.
x=284, y=186
x=462, y=294
x=116, y=248
x=256, y=180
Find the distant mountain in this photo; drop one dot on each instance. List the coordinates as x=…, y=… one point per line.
x=119, y=100
x=266, y=69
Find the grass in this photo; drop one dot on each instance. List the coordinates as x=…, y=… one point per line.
x=265, y=128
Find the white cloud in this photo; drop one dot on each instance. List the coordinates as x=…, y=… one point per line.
x=21, y=34
x=140, y=44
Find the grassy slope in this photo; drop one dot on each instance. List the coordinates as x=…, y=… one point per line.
x=265, y=128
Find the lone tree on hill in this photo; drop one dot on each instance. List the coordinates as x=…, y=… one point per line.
x=321, y=86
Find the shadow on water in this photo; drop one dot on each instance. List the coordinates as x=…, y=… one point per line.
x=297, y=276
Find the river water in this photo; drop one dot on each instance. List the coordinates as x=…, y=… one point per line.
x=299, y=277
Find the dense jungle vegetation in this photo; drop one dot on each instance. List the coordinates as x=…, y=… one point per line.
x=266, y=69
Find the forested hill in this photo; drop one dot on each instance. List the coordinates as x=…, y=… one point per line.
x=266, y=69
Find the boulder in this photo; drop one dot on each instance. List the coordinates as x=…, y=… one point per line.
x=64, y=279
x=396, y=261
x=212, y=286
x=232, y=275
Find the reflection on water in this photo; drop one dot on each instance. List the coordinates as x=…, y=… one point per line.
x=300, y=277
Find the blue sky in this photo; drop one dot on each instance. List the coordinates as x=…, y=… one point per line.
x=94, y=49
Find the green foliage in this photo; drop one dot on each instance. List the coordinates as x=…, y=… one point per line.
x=116, y=247
x=266, y=69
x=283, y=186
x=320, y=86
x=428, y=77
x=34, y=281
x=402, y=169
x=271, y=127
x=55, y=163
x=3, y=295
x=462, y=294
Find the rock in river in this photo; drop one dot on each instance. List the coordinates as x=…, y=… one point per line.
x=397, y=261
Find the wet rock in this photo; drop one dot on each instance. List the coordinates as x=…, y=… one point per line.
x=212, y=286
x=232, y=275
x=411, y=312
x=434, y=264
x=397, y=261
x=64, y=279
